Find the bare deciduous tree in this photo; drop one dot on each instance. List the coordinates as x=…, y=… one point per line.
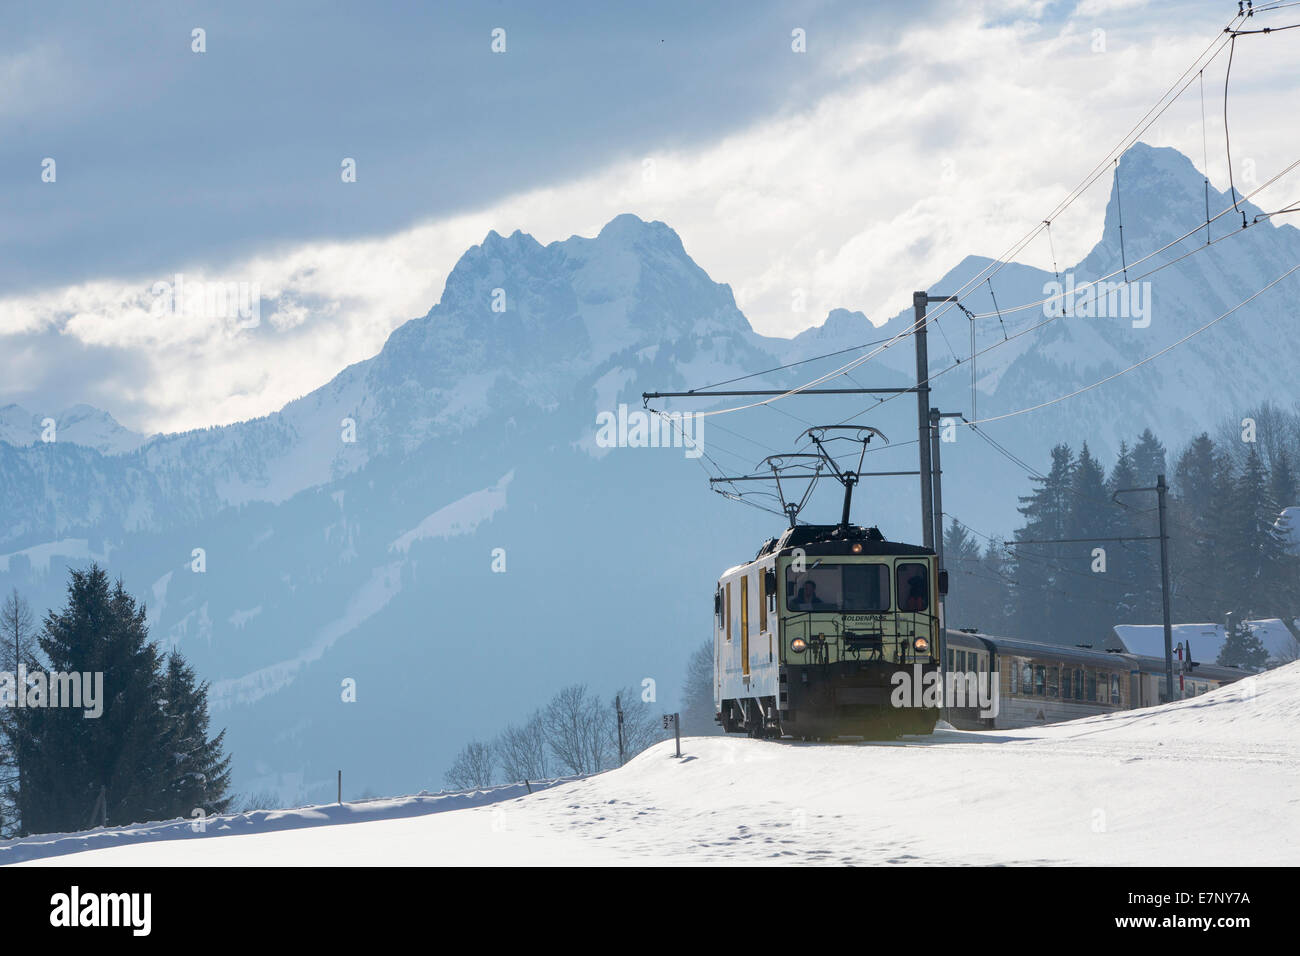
x=472, y=768
x=522, y=751
x=17, y=633
x=642, y=724
x=576, y=727
x=698, y=711
x=17, y=644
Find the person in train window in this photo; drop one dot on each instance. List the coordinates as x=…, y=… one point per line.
x=915, y=600
x=807, y=599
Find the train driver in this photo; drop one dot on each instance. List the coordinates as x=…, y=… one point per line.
x=807, y=599
x=915, y=598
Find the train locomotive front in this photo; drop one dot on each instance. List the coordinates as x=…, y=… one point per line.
x=830, y=631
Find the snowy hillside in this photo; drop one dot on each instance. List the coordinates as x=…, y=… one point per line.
x=1209, y=781
x=350, y=536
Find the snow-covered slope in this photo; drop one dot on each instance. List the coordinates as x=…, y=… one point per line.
x=1209, y=781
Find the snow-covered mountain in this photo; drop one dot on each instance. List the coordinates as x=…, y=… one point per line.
x=1249, y=357
x=354, y=533
x=78, y=425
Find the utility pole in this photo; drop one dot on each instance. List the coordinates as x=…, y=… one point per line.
x=937, y=469
x=618, y=709
x=919, y=302
x=1161, y=489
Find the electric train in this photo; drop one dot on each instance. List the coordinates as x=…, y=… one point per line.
x=815, y=636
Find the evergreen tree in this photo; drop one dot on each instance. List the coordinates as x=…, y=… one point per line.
x=141, y=758
x=1257, y=550
x=1242, y=648
x=1148, y=465
x=970, y=587
x=1222, y=563
x=1042, y=604
x=1283, y=483
x=1201, y=474
x=1148, y=458
x=1002, y=596
x=72, y=761
x=1126, y=560
x=1090, y=601
x=199, y=770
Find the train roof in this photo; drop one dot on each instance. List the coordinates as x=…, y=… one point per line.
x=1009, y=645
x=1084, y=655
x=1156, y=665
x=834, y=539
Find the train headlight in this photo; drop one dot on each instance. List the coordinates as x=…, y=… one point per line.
x=921, y=645
x=857, y=548
x=798, y=645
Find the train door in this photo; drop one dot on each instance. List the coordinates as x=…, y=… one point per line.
x=763, y=598
x=744, y=624
x=728, y=657
x=719, y=633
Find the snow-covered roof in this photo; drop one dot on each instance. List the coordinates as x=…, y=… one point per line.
x=1206, y=640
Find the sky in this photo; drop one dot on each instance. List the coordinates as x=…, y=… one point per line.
x=813, y=155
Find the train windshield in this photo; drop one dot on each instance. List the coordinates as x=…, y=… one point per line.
x=838, y=587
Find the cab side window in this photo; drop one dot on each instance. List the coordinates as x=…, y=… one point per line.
x=913, y=583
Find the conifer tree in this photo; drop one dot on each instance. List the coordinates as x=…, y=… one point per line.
x=1148, y=464
x=1257, y=551
x=70, y=761
x=1127, y=574
x=1242, y=648
x=199, y=770
x=141, y=759
x=1200, y=475
x=1041, y=606
x=1090, y=594
x=1283, y=483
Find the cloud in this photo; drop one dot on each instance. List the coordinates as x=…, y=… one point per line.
x=955, y=140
